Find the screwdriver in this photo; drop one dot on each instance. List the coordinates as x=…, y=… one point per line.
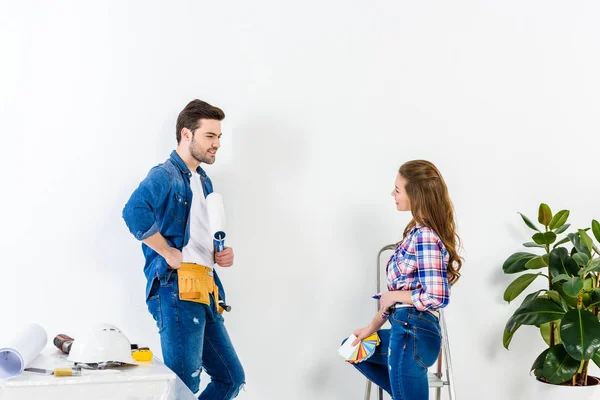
x=57, y=371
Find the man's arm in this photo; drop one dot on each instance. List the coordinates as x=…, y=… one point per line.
x=158, y=243
x=150, y=195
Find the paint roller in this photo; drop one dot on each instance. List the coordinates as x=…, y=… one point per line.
x=216, y=219
x=216, y=222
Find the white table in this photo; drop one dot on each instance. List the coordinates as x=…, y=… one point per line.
x=147, y=381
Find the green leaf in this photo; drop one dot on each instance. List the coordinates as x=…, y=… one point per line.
x=538, y=365
x=595, y=298
x=533, y=295
x=581, y=259
x=532, y=244
x=562, y=241
x=544, y=214
x=579, y=246
x=528, y=222
x=553, y=295
x=561, y=278
x=573, y=286
x=559, y=366
x=586, y=240
x=516, y=262
x=559, y=219
x=596, y=229
x=558, y=299
x=509, y=331
x=561, y=263
x=538, y=311
x=561, y=229
x=593, y=267
x=545, y=332
x=518, y=285
x=580, y=332
x=544, y=238
x=572, y=301
x=537, y=262
x=596, y=358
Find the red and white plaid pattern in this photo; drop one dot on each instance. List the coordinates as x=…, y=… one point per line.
x=419, y=264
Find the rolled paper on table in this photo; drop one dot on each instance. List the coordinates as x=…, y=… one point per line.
x=25, y=346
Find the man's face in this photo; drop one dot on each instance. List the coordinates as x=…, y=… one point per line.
x=205, y=141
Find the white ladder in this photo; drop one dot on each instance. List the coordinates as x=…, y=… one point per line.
x=438, y=379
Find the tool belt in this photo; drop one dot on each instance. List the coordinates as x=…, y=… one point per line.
x=196, y=284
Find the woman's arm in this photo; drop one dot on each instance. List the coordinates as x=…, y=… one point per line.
x=370, y=329
x=387, y=300
x=432, y=272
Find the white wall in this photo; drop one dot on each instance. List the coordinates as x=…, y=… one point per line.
x=324, y=100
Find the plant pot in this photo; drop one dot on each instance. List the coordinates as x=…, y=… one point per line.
x=546, y=391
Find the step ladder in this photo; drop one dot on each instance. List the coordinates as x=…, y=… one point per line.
x=437, y=380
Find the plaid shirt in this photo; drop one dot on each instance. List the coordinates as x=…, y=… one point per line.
x=419, y=264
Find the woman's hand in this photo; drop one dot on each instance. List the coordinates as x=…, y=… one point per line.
x=363, y=333
x=387, y=300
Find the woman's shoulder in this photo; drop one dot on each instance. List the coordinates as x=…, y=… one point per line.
x=424, y=234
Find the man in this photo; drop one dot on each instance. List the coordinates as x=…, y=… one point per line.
x=167, y=212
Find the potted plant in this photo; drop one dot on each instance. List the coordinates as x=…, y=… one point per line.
x=566, y=313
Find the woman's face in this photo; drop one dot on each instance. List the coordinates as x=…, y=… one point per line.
x=399, y=194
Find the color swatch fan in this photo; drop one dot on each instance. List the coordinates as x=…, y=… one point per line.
x=360, y=352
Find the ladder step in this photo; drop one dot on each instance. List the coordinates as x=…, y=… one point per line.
x=434, y=381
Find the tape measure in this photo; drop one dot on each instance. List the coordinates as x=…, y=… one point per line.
x=142, y=354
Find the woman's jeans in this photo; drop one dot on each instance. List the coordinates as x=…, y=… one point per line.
x=193, y=337
x=399, y=365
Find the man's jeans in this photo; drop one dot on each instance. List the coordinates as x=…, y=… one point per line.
x=399, y=365
x=193, y=337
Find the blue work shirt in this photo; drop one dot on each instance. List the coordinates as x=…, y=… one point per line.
x=162, y=203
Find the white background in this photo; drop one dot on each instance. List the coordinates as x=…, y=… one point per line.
x=324, y=101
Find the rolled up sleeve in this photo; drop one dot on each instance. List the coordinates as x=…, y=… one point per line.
x=432, y=272
x=139, y=211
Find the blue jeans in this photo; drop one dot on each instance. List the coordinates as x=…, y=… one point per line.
x=399, y=365
x=193, y=337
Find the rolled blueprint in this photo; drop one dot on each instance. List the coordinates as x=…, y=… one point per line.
x=22, y=350
x=216, y=219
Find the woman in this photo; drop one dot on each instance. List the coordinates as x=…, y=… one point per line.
x=419, y=274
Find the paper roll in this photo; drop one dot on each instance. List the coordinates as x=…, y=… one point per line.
x=216, y=213
x=22, y=350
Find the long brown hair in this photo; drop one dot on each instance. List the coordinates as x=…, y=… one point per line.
x=431, y=206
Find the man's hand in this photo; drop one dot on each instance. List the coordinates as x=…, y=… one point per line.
x=224, y=258
x=174, y=258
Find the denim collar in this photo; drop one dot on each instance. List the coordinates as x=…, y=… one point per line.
x=184, y=168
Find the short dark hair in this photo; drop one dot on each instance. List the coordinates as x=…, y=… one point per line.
x=191, y=115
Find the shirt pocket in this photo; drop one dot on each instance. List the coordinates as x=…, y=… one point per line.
x=179, y=207
x=407, y=263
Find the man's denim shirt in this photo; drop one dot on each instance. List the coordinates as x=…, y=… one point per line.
x=162, y=204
